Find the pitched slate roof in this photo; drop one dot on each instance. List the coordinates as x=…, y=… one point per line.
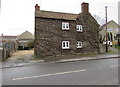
x=108, y=23
x=8, y=37
x=55, y=15
x=26, y=35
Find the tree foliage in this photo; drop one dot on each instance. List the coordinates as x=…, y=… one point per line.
x=99, y=19
x=31, y=44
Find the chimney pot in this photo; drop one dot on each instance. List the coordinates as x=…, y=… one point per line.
x=37, y=7
x=85, y=7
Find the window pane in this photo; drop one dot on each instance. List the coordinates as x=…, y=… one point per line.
x=67, y=25
x=67, y=44
x=63, y=44
x=79, y=27
x=63, y=25
x=80, y=44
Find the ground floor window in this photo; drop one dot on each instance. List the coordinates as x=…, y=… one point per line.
x=65, y=45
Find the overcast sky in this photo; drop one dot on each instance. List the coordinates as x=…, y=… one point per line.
x=17, y=16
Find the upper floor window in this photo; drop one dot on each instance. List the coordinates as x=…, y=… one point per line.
x=65, y=45
x=79, y=44
x=79, y=28
x=65, y=26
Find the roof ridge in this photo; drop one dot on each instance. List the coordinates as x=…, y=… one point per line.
x=8, y=36
x=109, y=22
x=25, y=35
x=58, y=12
x=55, y=15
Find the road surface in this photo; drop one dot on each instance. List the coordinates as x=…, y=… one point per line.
x=92, y=72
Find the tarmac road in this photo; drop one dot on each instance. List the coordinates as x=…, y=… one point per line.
x=91, y=72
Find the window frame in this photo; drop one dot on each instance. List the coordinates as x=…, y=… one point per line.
x=79, y=44
x=65, y=26
x=79, y=28
x=65, y=45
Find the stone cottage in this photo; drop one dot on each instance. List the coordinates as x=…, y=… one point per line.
x=58, y=34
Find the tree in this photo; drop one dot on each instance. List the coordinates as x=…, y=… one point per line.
x=99, y=19
x=111, y=36
x=31, y=44
x=109, y=39
x=118, y=42
x=104, y=38
x=101, y=41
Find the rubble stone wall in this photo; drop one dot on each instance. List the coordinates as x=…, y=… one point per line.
x=49, y=36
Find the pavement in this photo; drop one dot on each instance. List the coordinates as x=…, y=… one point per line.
x=12, y=62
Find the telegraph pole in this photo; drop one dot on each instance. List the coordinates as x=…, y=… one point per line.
x=2, y=47
x=106, y=30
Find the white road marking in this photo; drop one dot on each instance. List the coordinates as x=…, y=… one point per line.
x=114, y=66
x=49, y=74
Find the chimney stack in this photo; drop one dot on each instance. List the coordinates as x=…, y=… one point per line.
x=37, y=8
x=85, y=7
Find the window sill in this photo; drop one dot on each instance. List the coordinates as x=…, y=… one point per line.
x=65, y=48
x=79, y=47
x=79, y=31
x=66, y=29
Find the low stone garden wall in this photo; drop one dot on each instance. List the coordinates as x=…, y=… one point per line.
x=103, y=48
x=4, y=54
